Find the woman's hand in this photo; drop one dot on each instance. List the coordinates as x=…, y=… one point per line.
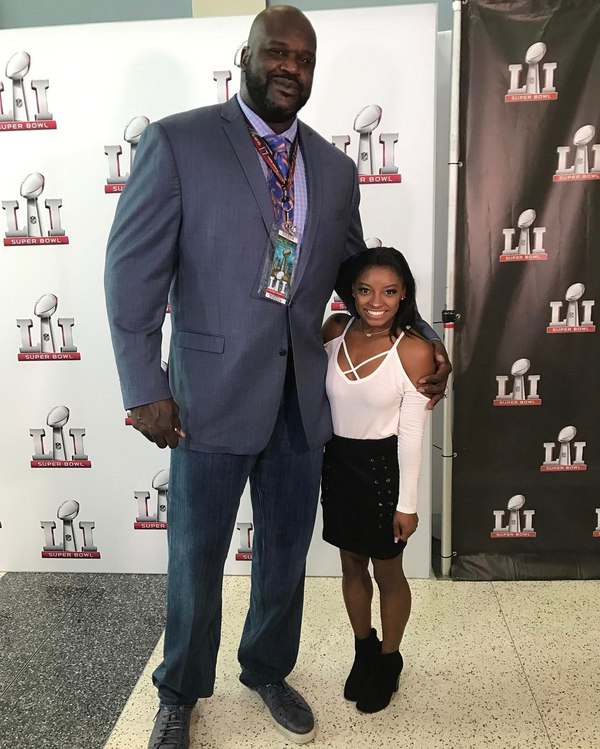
x=405, y=524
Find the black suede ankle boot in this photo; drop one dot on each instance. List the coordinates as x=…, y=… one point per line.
x=381, y=684
x=365, y=652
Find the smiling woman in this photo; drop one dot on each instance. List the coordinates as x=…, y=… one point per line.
x=372, y=463
x=378, y=293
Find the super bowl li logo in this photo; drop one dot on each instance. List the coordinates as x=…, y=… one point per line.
x=520, y=521
x=50, y=347
x=58, y=454
x=222, y=78
x=570, y=454
x=578, y=314
x=244, y=552
x=365, y=123
x=525, y=250
x=539, y=83
x=117, y=175
x=524, y=386
x=72, y=543
x=152, y=510
x=337, y=304
x=35, y=231
x=584, y=166
x=18, y=117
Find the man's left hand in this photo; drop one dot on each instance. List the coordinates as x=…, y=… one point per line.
x=434, y=386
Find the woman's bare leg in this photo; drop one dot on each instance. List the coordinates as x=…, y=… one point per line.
x=395, y=601
x=357, y=589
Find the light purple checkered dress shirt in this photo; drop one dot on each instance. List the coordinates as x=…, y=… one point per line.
x=300, y=188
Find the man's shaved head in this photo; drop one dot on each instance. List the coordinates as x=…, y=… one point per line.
x=280, y=16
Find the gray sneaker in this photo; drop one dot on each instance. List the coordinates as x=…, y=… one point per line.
x=289, y=711
x=171, y=727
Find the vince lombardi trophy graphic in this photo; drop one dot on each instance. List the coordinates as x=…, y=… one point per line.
x=534, y=55
x=133, y=132
x=44, y=308
x=56, y=420
x=31, y=189
x=518, y=370
x=514, y=505
x=524, y=223
x=67, y=513
x=160, y=482
x=582, y=138
x=16, y=69
x=573, y=295
x=564, y=438
x=365, y=122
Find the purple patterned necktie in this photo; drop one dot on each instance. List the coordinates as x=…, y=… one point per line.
x=279, y=147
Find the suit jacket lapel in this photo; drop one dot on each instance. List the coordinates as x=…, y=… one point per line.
x=236, y=130
x=314, y=181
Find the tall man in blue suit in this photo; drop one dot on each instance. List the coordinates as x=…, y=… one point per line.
x=214, y=202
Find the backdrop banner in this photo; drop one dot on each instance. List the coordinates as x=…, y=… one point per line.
x=526, y=482
x=82, y=490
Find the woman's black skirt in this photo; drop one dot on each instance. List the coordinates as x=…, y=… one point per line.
x=359, y=491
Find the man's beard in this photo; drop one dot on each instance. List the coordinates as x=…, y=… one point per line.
x=269, y=111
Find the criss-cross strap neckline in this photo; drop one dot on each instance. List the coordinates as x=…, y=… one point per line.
x=355, y=367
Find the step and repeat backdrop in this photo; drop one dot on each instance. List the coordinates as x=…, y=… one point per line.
x=82, y=490
x=527, y=475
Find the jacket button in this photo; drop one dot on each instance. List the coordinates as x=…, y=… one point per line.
x=283, y=352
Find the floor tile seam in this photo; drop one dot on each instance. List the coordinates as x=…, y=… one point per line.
x=133, y=695
x=43, y=640
x=525, y=674
x=106, y=731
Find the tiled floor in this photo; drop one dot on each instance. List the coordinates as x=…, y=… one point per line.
x=506, y=665
x=71, y=649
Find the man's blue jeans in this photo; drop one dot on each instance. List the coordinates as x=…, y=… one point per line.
x=204, y=495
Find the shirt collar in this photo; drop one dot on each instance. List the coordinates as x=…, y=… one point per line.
x=261, y=126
